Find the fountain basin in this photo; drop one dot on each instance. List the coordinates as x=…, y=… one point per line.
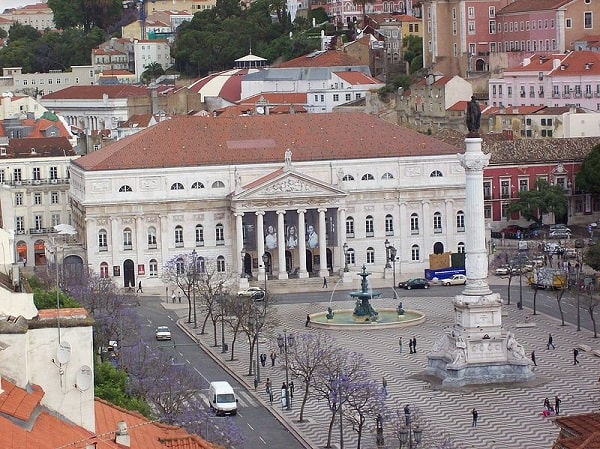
x=388, y=318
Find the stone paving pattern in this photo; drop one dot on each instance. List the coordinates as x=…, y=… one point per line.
x=509, y=416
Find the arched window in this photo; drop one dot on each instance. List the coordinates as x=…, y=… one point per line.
x=460, y=221
x=151, y=237
x=387, y=175
x=415, y=253
x=197, y=185
x=369, y=226
x=219, y=234
x=179, y=266
x=179, y=236
x=348, y=178
x=435, y=174
x=218, y=185
x=153, y=268
x=351, y=256
x=199, y=235
x=370, y=255
x=125, y=188
x=461, y=247
x=438, y=248
x=389, y=225
x=220, y=264
x=104, y=270
x=414, y=224
x=350, y=227
x=127, y=241
x=437, y=222
x=367, y=177
x=102, y=240
x=177, y=186
x=200, y=264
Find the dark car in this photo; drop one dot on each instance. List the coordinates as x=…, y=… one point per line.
x=414, y=283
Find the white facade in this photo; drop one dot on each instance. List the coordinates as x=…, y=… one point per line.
x=136, y=219
x=46, y=83
x=149, y=51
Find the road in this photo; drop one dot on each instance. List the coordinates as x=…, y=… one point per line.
x=257, y=424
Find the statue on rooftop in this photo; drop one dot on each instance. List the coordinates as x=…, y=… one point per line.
x=473, y=116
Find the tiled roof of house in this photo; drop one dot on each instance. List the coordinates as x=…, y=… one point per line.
x=459, y=106
x=532, y=6
x=327, y=58
x=357, y=78
x=106, y=51
x=441, y=81
x=43, y=146
x=116, y=72
x=525, y=151
x=137, y=121
x=511, y=110
x=578, y=432
x=197, y=141
x=97, y=92
x=538, y=63
x=25, y=424
x=277, y=98
x=579, y=63
x=559, y=110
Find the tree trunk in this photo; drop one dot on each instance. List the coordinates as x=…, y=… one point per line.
x=215, y=333
x=330, y=431
x=304, y=401
x=508, y=296
x=535, y=291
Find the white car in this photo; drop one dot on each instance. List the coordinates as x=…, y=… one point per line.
x=250, y=291
x=163, y=333
x=457, y=279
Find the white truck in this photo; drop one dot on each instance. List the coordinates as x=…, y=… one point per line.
x=222, y=398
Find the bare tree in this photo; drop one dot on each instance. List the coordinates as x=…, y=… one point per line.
x=309, y=354
x=211, y=283
x=365, y=400
x=178, y=272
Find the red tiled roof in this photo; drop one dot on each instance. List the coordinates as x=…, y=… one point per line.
x=17, y=402
x=459, y=106
x=226, y=84
x=97, y=92
x=44, y=147
x=357, y=78
x=197, y=141
x=580, y=432
x=264, y=179
x=539, y=63
x=579, y=63
x=438, y=82
x=329, y=58
x=73, y=312
x=511, y=110
x=532, y=6
x=277, y=98
x=116, y=72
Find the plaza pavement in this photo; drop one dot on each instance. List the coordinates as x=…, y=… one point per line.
x=509, y=416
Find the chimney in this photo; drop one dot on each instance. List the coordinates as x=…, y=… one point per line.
x=121, y=435
x=555, y=63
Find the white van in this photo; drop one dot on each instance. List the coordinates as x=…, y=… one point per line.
x=222, y=398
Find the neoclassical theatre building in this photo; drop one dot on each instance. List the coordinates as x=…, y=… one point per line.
x=313, y=192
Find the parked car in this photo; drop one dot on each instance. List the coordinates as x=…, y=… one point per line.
x=559, y=227
x=457, y=279
x=560, y=234
x=502, y=271
x=414, y=283
x=513, y=232
x=163, y=333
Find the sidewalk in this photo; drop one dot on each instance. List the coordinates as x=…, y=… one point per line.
x=509, y=416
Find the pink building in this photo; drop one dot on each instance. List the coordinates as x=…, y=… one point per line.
x=555, y=80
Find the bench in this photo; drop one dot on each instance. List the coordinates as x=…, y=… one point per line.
x=524, y=325
x=583, y=347
x=596, y=352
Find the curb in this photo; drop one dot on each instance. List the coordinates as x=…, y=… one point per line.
x=283, y=419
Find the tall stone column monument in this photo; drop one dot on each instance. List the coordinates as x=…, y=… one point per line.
x=477, y=349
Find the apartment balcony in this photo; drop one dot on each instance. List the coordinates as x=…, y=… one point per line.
x=577, y=95
x=597, y=94
x=588, y=95
x=39, y=231
x=555, y=95
x=38, y=182
x=566, y=95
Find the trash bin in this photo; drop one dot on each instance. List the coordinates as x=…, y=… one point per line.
x=225, y=347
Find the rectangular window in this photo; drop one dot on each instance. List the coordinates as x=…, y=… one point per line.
x=17, y=175
x=55, y=219
x=505, y=188
x=587, y=20
x=492, y=11
x=414, y=225
x=36, y=174
x=37, y=198
x=20, y=224
x=53, y=172
x=453, y=13
x=487, y=211
x=487, y=190
x=471, y=27
x=569, y=23
x=18, y=199
x=127, y=245
x=38, y=222
x=492, y=27
x=54, y=198
x=471, y=12
x=348, y=97
x=454, y=30
x=523, y=185
x=336, y=97
x=350, y=228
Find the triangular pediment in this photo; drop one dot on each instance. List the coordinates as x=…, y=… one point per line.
x=286, y=184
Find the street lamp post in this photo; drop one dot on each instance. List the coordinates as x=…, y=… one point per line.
x=410, y=436
x=257, y=320
x=222, y=304
x=283, y=341
x=265, y=259
x=391, y=252
x=243, y=254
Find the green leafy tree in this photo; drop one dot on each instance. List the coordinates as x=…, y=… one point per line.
x=44, y=299
x=85, y=13
x=592, y=257
x=153, y=71
x=110, y=384
x=542, y=199
x=587, y=179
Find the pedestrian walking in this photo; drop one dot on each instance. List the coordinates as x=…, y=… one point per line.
x=550, y=342
x=263, y=359
x=400, y=344
x=575, y=354
x=273, y=357
x=284, y=395
x=533, y=358
x=179, y=297
x=557, y=402
x=547, y=404
x=324, y=281
x=410, y=347
x=414, y=345
x=307, y=321
x=139, y=290
x=406, y=415
x=173, y=297
x=292, y=390
x=475, y=416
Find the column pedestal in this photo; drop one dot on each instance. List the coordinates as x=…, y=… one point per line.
x=323, y=271
x=302, y=274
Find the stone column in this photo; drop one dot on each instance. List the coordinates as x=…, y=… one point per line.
x=342, y=235
x=115, y=243
x=404, y=233
x=302, y=243
x=239, y=245
x=474, y=161
x=162, y=237
x=281, y=245
x=450, y=226
x=140, y=240
x=427, y=230
x=260, y=241
x=323, y=272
